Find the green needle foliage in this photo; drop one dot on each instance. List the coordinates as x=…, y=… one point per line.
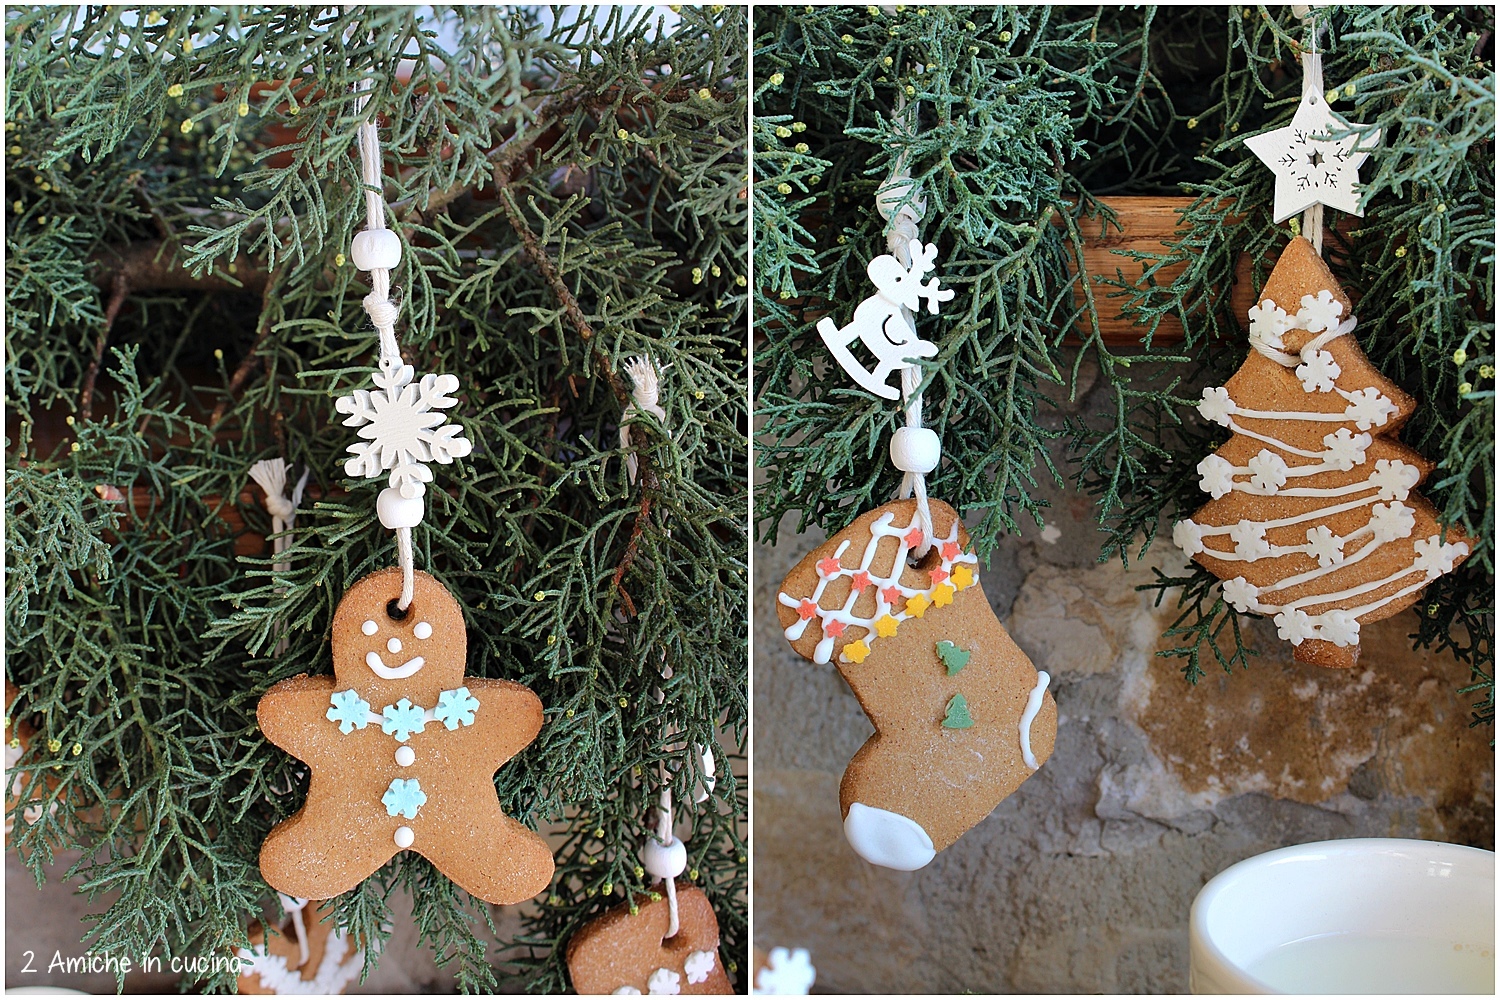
x=1025, y=117
x=181, y=191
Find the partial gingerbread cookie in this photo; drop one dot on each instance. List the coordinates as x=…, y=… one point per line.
x=403, y=749
x=1315, y=519
x=310, y=957
x=621, y=953
x=961, y=716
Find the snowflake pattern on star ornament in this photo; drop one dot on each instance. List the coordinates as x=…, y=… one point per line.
x=401, y=428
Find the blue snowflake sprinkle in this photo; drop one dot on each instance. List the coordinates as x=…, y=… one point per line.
x=349, y=710
x=402, y=719
x=456, y=708
x=404, y=798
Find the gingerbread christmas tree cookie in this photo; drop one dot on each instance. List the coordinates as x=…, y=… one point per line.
x=403, y=749
x=1314, y=519
x=961, y=716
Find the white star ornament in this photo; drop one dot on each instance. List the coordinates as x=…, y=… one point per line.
x=1310, y=167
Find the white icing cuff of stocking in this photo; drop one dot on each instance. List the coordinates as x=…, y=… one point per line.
x=887, y=839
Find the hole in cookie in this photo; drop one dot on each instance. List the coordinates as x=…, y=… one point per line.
x=931, y=561
x=394, y=612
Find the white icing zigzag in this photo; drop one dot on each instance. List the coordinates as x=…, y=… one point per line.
x=1267, y=474
x=954, y=573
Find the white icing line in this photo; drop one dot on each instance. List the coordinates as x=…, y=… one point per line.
x=377, y=665
x=882, y=528
x=1033, y=706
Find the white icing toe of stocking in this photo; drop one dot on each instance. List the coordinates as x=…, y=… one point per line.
x=887, y=839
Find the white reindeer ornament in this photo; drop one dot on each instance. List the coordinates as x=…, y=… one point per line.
x=884, y=321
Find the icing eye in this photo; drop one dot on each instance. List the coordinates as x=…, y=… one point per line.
x=369, y=628
x=393, y=644
x=422, y=631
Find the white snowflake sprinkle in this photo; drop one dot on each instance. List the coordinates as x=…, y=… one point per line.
x=1295, y=626
x=1368, y=408
x=1324, y=546
x=1345, y=449
x=1339, y=627
x=1215, y=476
x=1268, y=322
x=1394, y=479
x=664, y=983
x=1249, y=539
x=1188, y=536
x=1436, y=557
x=1318, y=371
x=1216, y=405
x=1390, y=521
x=1242, y=594
x=698, y=965
x=1267, y=471
x=1319, y=313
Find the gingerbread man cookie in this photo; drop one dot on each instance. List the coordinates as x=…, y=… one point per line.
x=403, y=749
x=961, y=716
x=623, y=954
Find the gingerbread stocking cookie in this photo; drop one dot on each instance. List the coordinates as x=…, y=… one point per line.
x=622, y=953
x=961, y=716
x=403, y=749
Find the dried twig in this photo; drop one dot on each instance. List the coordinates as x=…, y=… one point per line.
x=247, y=363
x=118, y=293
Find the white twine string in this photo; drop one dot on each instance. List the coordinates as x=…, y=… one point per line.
x=293, y=907
x=270, y=475
x=1269, y=347
x=645, y=397
x=1312, y=83
x=903, y=230
x=382, y=311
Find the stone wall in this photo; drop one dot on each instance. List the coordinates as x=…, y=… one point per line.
x=1082, y=880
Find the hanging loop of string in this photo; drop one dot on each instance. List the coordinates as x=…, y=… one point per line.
x=903, y=230
x=664, y=856
x=377, y=250
x=1312, y=86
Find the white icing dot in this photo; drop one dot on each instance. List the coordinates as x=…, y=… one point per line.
x=369, y=627
x=393, y=644
x=405, y=756
x=422, y=631
x=404, y=837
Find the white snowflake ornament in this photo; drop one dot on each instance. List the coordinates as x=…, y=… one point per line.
x=402, y=430
x=1310, y=167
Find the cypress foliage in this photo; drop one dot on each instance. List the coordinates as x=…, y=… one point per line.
x=181, y=190
x=1029, y=115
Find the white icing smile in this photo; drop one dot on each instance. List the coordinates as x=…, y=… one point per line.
x=376, y=664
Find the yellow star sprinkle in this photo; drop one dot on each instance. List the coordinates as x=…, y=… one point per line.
x=856, y=652
x=885, y=626
x=917, y=605
x=943, y=596
x=962, y=577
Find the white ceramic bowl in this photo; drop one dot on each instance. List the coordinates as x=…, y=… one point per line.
x=1348, y=916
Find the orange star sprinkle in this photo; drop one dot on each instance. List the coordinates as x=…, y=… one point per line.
x=860, y=580
x=938, y=576
x=913, y=538
x=829, y=566
x=891, y=595
x=807, y=609
x=951, y=551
